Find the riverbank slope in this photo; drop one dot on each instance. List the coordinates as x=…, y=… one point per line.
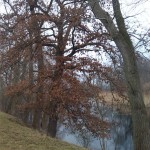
x=14, y=135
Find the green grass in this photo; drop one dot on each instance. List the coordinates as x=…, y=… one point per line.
x=14, y=135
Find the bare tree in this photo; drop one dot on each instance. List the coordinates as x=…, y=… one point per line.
x=123, y=41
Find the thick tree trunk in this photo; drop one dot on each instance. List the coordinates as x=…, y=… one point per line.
x=139, y=114
x=36, y=124
x=39, y=96
x=36, y=33
x=52, y=127
x=124, y=44
x=53, y=119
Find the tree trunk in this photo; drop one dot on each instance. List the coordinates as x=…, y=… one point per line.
x=52, y=127
x=53, y=118
x=138, y=109
x=15, y=100
x=26, y=116
x=45, y=119
x=141, y=135
x=36, y=124
x=36, y=31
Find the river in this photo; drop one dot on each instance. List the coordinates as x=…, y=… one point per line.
x=120, y=135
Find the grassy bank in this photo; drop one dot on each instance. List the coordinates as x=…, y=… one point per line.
x=15, y=136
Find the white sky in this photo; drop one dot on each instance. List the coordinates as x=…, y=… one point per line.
x=139, y=12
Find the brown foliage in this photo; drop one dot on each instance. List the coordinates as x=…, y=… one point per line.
x=56, y=41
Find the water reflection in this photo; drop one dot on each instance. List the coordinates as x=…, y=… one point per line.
x=120, y=137
x=122, y=133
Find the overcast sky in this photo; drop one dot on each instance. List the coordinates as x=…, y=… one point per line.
x=138, y=14
x=140, y=11
x=130, y=7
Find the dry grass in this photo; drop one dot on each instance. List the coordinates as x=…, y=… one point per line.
x=117, y=102
x=15, y=136
x=115, y=99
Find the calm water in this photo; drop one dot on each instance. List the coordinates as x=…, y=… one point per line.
x=120, y=134
x=120, y=139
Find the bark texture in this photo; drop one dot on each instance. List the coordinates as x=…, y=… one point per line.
x=36, y=35
x=121, y=37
